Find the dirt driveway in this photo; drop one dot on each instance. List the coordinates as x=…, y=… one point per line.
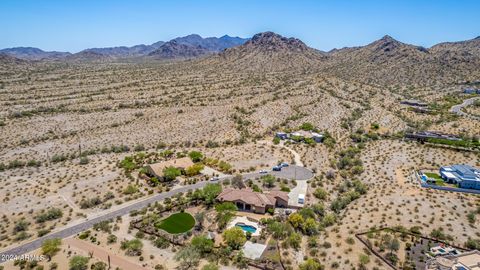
x=102, y=254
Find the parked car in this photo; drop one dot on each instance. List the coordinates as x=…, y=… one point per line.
x=214, y=178
x=263, y=171
x=283, y=164
x=301, y=198
x=277, y=168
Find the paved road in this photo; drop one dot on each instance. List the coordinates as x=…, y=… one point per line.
x=290, y=172
x=458, y=108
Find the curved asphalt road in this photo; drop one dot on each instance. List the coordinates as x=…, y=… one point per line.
x=291, y=172
x=458, y=108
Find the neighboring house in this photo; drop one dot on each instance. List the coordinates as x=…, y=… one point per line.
x=464, y=175
x=317, y=137
x=248, y=200
x=464, y=261
x=281, y=135
x=413, y=102
x=471, y=91
x=424, y=135
x=156, y=169
x=300, y=135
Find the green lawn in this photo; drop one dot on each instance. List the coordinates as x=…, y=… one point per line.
x=438, y=180
x=177, y=223
x=433, y=176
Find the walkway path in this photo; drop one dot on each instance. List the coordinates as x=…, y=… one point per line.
x=297, y=172
x=103, y=254
x=296, y=156
x=458, y=108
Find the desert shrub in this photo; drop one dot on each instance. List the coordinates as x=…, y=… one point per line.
x=16, y=164
x=161, y=242
x=473, y=244
x=139, y=147
x=20, y=226
x=59, y=158
x=103, y=226
x=132, y=247
x=50, y=214
x=320, y=193
x=33, y=163
x=130, y=189
x=194, y=169
x=195, y=156
x=89, y=203
x=84, y=160
x=111, y=238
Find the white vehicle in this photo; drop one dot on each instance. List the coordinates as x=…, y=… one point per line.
x=214, y=178
x=263, y=171
x=301, y=198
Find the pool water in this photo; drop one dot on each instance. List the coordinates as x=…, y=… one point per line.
x=246, y=228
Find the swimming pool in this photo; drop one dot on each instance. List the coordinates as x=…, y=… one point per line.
x=246, y=228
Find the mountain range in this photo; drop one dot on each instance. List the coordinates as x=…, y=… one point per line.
x=385, y=61
x=181, y=47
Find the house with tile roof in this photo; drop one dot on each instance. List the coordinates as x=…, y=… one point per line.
x=248, y=200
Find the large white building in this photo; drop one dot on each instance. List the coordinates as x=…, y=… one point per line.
x=465, y=261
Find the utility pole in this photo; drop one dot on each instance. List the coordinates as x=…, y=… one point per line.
x=79, y=146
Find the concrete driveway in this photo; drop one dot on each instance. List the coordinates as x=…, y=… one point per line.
x=294, y=172
x=301, y=188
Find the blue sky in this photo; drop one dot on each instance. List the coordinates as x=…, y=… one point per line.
x=73, y=25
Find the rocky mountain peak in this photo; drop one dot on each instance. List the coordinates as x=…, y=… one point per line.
x=275, y=42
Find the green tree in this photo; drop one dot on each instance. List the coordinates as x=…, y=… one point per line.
x=328, y=220
x=310, y=264
x=268, y=180
x=307, y=126
x=296, y=220
x=132, y=247
x=363, y=260
x=210, y=193
x=170, y=173
x=78, y=262
x=310, y=226
x=210, y=266
x=21, y=226
x=130, y=189
x=234, y=237
x=188, y=258
x=276, y=140
x=294, y=240
x=194, y=169
x=99, y=266
x=237, y=181
x=473, y=244
x=199, y=217
x=202, y=244
x=225, y=211
x=279, y=230
x=50, y=247
x=393, y=245
x=240, y=261
x=195, y=156
x=320, y=193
